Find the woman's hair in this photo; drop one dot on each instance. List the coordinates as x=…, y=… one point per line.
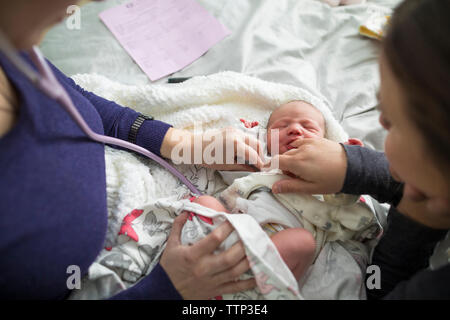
x=417, y=50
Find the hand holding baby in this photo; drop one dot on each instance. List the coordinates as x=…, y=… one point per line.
x=318, y=163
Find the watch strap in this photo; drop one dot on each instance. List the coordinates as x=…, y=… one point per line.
x=132, y=136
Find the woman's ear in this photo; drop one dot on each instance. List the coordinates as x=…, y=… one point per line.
x=355, y=142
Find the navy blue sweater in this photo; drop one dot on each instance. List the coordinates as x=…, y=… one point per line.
x=406, y=246
x=53, y=209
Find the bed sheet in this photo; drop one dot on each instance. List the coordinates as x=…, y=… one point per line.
x=286, y=41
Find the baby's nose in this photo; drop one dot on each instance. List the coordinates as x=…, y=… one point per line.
x=295, y=130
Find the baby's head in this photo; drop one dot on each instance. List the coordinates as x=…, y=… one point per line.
x=293, y=120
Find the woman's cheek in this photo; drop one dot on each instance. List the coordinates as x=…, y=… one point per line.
x=393, y=154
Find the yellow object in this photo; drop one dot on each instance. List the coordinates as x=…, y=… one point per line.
x=375, y=26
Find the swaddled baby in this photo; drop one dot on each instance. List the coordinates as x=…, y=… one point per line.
x=299, y=225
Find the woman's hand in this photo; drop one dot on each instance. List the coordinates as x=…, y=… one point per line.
x=319, y=167
x=240, y=152
x=224, y=149
x=198, y=273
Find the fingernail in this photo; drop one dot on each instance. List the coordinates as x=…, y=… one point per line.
x=277, y=189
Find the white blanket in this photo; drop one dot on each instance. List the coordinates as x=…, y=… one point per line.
x=294, y=42
x=214, y=101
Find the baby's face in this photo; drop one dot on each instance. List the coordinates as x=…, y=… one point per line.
x=294, y=120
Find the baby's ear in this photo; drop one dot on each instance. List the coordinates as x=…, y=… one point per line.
x=355, y=142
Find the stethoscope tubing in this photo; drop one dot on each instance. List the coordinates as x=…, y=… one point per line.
x=48, y=84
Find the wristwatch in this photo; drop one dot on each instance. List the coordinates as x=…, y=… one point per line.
x=136, y=126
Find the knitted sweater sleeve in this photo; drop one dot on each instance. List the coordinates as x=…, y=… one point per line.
x=403, y=252
x=117, y=120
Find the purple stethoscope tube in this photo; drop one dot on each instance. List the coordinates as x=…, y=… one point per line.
x=47, y=83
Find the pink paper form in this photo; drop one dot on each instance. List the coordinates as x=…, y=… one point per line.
x=164, y=36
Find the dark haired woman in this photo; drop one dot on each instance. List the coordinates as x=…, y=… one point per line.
x=415, y=110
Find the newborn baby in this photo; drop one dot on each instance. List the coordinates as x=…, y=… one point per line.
x=296, y=120
x=292, y=121
x=298, y=225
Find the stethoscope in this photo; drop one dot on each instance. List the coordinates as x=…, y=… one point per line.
x=46, y=81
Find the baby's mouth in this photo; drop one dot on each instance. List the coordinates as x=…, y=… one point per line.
x=289, y=145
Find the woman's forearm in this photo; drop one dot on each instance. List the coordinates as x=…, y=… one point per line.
x=173, y=140
x=368, y=173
